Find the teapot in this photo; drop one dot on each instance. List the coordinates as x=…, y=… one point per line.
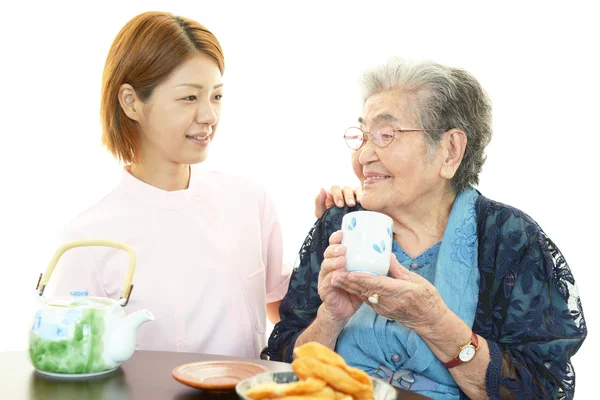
x=80, y=335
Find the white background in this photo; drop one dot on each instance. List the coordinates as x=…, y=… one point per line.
x=290, y=91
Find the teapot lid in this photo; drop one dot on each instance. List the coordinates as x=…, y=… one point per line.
x=80, y=299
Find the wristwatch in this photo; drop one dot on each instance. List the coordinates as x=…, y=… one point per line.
x=465, y=353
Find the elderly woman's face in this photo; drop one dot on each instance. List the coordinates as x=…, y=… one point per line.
x=405, y=171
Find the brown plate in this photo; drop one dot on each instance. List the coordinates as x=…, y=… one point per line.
x=216, y=375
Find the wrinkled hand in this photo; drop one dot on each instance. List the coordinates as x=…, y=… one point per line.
x=336, y=196
x=406, y=297
x=340, y=304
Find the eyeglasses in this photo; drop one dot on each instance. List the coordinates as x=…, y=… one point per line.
x=381, y=134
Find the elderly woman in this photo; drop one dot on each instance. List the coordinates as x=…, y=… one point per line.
x=479, y=302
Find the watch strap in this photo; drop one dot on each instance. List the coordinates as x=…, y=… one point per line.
x=456, y=360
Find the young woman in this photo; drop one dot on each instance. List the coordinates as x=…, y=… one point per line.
x=208, y=245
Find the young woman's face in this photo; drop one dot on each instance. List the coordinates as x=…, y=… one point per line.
x=179, y=120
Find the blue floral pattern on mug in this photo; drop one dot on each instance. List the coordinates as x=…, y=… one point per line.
x=352, y=225
x=390, y=233
x=381, y=248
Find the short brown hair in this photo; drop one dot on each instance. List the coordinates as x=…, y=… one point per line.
x=146, y=50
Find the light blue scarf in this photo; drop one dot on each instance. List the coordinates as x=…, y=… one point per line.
x=375, y=344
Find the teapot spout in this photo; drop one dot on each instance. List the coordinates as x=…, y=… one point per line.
x=123, y=340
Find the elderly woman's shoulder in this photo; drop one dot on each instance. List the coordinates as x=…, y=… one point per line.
x=500, y=220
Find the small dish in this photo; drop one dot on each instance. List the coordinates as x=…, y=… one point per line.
x=383, y=391
x=216, y=375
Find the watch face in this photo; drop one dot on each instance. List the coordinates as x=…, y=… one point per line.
x=467, y=353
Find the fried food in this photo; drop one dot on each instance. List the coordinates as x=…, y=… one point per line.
x=270, y=390
x=342, y=396
x=326, y=355
x=335, y=377
x=326, y=393
x=321, y=353
x=323, y=375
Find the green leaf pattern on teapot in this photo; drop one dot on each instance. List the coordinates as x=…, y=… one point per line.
x=72, y=346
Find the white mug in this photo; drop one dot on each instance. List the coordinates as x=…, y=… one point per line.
x=368, y=240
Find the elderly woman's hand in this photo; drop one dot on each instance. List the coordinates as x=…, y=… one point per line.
x=340, y=304
x=405, y=297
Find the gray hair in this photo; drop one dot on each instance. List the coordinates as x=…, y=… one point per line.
x=446, y=98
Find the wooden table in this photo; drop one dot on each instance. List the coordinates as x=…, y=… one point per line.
x=147, y=375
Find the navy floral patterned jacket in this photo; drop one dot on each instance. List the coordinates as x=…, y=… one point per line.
x=528, y=308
